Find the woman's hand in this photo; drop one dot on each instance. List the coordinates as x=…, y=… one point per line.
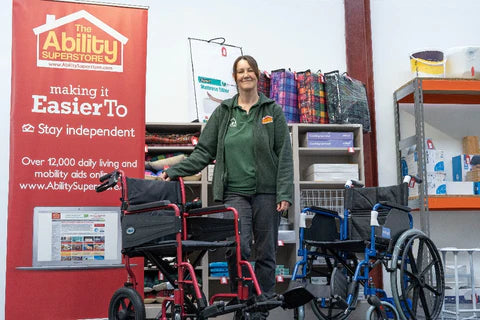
x=283, y=206
x=164, y=176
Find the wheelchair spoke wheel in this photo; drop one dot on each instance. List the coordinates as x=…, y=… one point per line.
x=421, y=284
x=335, y=307
x=389, y=309
x=126, y=304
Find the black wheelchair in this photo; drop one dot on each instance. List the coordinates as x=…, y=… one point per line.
x=338, y=251
x=158, y=224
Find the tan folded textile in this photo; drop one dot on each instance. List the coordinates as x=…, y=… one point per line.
x=160, y=164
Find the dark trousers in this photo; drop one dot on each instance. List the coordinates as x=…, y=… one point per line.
x=259, y=221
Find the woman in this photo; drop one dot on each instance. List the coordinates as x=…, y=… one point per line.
x=248, y=137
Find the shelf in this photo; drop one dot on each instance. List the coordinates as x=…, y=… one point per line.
x=287, y=276
x=169, y=149
x=307, y=127
x=173, y=127
x=323, y=185
x=454, y=202
x=442, y=91
x=304, y=151
x=445, y=202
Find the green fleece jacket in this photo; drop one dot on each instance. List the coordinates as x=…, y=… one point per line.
x=272, y=150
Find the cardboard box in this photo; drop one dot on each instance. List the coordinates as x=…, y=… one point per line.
x=473, y=175
x=460, y=166
x=434, y=161
x=470, y=145
x=476, y=187
x=459, y=188
x=329, y=144
x=323, y=139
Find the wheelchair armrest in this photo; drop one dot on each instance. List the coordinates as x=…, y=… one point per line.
x=205, y=210
x=148, y=205
x=321, y=210
x=395, y=205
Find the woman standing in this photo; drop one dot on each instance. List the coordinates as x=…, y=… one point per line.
x=248, y=137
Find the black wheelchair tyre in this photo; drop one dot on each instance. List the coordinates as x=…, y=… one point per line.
x=392, y=313
x=418, y=282
x=126, y=304
x=333, y=311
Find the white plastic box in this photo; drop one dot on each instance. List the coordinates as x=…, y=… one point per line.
x=327, y=172
x=460, y=187
x=463, y=62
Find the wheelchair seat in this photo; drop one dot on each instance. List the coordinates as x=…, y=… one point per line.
x=150, y=223
x=323, y=233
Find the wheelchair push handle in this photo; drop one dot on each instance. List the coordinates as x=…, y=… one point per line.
x=108, y=180
x=408, y=178
x=353, y=183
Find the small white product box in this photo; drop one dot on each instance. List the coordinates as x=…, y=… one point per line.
x=434, y=161
x=460, y=166
x=210, y=169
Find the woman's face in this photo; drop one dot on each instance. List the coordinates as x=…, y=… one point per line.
x=245, y=76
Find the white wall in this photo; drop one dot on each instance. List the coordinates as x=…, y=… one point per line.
x=299, y=35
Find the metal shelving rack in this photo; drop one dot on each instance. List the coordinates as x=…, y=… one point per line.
x=433, y=92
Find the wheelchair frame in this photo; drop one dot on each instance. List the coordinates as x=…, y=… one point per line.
x=188, y=300
x=399, y=261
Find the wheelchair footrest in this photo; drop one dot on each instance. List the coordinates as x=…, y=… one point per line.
x=340, y=302
x=220, y=308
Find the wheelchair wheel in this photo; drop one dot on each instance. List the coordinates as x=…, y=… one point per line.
x=126, y=304
x=418, y=283
x=374, y=314
x=335, y=307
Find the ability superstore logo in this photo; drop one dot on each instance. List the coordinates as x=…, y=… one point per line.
x=79, y=41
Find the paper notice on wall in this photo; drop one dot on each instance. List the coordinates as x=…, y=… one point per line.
x=212, y=64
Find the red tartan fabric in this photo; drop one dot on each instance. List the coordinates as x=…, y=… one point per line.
x=264, y=84
x=311, y=98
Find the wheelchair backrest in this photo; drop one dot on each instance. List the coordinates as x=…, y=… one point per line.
x=323, y=228
x=140, y=191
x=360, y=201
x=148, y=221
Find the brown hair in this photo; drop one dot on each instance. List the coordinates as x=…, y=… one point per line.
x=251, y=61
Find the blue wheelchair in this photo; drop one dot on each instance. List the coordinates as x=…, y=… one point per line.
x=338, y=251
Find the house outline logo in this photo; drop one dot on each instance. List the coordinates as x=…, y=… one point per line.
x=83, y=42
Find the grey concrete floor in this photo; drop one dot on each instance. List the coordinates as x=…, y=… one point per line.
x=279, y=313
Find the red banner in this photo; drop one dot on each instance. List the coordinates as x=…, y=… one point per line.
x=78, y=112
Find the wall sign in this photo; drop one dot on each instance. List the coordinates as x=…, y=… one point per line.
x=212, y=63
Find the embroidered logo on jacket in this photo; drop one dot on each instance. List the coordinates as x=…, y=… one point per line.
x=233, y=123
x=267, y=119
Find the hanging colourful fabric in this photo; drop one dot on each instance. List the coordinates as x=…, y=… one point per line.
x=283, y=90
x=264, y=83
x=311, y=97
